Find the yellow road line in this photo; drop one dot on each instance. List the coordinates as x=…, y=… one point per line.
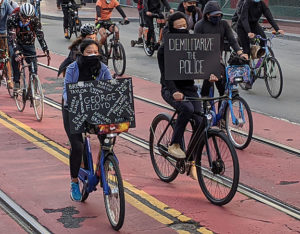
x=130, y=199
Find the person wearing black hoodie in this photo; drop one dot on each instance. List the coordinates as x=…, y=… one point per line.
x=173, y=91
x=212, y=23
x=192, y=13
x=248, y=23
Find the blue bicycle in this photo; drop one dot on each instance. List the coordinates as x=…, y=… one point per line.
x=37, y=6
x=234, y=115
x=107, y=171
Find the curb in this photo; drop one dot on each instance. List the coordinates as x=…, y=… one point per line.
x=54, y=17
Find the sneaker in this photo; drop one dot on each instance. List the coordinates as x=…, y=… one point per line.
x=66, y=34
x=10, y=84
x=139, y=41
x=176, y=151
x=156, y=46
x=16, y=86
x=75, y=192
x=193, y=172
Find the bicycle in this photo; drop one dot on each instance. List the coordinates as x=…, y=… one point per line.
x=37, y=6
x=74, y=23
x=266, y=67
x=114, y=49
x=209, y=149
x=33, y=91
x=152, y=46
x=235, y=111
x=4, y=62
x=107, y=171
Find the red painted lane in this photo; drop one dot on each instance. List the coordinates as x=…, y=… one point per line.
x=8, y=224
x=40, y=184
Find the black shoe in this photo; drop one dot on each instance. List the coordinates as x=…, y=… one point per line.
x=139, y=41
x=156, y=46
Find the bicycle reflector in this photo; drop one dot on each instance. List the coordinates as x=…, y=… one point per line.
x=113, y=128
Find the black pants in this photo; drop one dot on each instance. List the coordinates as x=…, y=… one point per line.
x=77, y=146
x=66, y=18
x=26, y=50
x=186, y=110
x=245, y=40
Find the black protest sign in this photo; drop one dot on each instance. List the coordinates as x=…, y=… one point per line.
x=100, y=102
x=191, y=56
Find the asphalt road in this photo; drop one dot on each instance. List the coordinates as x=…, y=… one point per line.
x=287, y=106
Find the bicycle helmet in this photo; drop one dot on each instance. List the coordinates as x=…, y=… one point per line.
x=87, y=29
x=27, y=10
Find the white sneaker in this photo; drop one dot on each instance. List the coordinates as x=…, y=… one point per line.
x=176, y=151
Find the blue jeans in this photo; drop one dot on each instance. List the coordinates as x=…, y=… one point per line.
x=26, y=50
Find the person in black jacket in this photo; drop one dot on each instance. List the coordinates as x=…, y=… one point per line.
x=173, y=91
x=192, y=13
x=212, y=23
x=248, y=23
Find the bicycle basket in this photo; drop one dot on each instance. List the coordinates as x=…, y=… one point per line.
x=238, y=73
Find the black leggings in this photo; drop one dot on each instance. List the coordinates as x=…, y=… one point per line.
x=77, y=146
x=66, y=18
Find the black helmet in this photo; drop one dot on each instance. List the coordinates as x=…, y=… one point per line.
x=87, y=29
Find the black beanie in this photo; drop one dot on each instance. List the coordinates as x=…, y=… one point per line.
x=175, y=16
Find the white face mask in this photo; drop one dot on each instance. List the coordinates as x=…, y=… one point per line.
x=182, y=28
x=108, y=1
x=92, y=55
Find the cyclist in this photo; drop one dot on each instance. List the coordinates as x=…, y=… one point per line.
x=154, y=7
x=192, y=13
x=86, y=67
x=5, y=11
x=23, y=27
x=66, y=4
x=87, y=31
x=212, y=23
x=248, y=22
x=140, y=8
x=104, y=10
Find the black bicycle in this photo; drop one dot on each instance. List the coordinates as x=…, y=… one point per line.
x=209, y=149
x=74, y=23
x=113, y=49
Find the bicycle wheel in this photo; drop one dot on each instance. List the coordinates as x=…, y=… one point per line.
x=239, y=133
x=219, y=181
x=273, y=77
x=163, y=166
x=115, y=200
x=119, y=59
x=20, y=97
x=149, y=49
x=37, y=97
x=6, y=79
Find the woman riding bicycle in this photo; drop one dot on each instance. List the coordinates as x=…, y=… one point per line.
x=87, y=31
x=86, y=67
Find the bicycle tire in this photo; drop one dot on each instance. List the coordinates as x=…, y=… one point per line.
x=149, y=50
x=239, y=134
x=116, y=216
x=83, y=184
x=271, y=78
x=119, y=56
x=37, y=97
x=5, y=76
x=215, y=176
x=167, y=172
x=20, y=96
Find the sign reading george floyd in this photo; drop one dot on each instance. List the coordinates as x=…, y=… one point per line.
x=100, y=102
x=191, y=56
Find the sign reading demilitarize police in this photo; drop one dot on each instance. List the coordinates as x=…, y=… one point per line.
x=100, y=102
x=191, y=56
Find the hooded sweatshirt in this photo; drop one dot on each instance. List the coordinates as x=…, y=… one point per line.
x=251, y=13
x=222, y=28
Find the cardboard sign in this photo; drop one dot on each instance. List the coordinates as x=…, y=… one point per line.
x=100, y=102
x=191, y=56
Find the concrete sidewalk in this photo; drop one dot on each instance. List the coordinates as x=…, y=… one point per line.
x=87, y=13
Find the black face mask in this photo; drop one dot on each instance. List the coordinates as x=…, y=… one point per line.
x=89, y=67
x=215, y=19
x=90, y=60
x=175, y=30
x=191, y=8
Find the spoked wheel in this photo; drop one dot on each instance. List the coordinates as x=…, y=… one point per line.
x=164, y=166
x=37, y=97
x=273, y=77
x=115, y=200
x=119, y=59
x=20, y=97
x=239, y=132
x=219, y=181
x=149, y=49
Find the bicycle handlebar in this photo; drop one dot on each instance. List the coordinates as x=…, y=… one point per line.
x=39, y=56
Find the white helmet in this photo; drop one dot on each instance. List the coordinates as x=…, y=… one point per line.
x=27, y=10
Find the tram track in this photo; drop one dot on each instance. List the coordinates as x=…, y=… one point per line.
x=242, y=188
